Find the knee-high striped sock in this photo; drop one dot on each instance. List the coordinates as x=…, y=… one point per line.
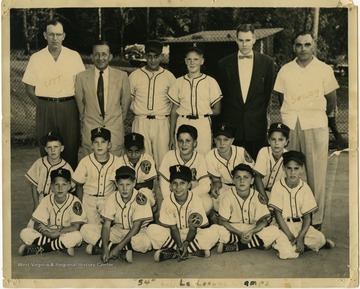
x=255, y=242
x=169, y=243
x=128, y=247
x=54, y=245
x=233, y=239
x=193, y=246
x=41, y=241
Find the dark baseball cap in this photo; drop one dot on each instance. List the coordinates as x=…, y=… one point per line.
x=296, y=156
x=153, y=46
x=64, y=173
x=278, y=126
x=100, y=132
x=51, y=136
x=243, y=167
x=180, y=172
x=134, y=139
x=124, y=171
x=195, y=47
x=225, y=129
x=187, y=129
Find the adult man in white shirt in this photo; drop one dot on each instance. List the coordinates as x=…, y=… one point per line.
x=49, y=81
x=103, y=97
x=307, y=88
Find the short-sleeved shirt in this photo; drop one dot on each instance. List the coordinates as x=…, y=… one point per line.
x=268, y=167
x=39, y=174
x=53, y=78
x=195, y=96
x=304, y=92
x=235, y=209
x=221, y=168
x=292, y=202
x=145, y=167
x=149, y=91
x=172, y=213
x=96, y=177
x=53, y=214
x=125, y=214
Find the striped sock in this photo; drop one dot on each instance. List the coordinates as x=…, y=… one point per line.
x=54, y=245
x=233, y=239
x=169, y=243
x=255, y=242
x=193, y=246
x=41, y=241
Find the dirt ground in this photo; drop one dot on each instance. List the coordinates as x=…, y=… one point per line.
x=249, y=264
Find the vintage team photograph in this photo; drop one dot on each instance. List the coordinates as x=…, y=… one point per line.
x=207, y=146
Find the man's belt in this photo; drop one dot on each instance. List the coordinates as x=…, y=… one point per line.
x=294, y=220
x=56, y=99
x=195, y=116
x=150, y=116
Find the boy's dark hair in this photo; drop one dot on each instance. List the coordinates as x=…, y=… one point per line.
x=187, y=129
x=243, y=167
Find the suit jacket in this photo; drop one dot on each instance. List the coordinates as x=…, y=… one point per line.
x=89, y=109
x=249, y=118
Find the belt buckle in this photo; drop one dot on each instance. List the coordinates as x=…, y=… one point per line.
x=151, y=117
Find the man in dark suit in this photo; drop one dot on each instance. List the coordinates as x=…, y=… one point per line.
x=246, y=79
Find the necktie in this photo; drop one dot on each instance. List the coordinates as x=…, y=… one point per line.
x=245, y=56
x=100, y=93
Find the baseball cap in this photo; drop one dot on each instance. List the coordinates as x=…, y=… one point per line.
x=196, y=47
x=124, y=171
x=134, y=139
x=243, y=167
x=153, y=46
x=224, y=129
x=64, y=173
x=51, y=136
x=278, y=126
x=189, y=129
x=180, y=172
x=296, y=156
x=100, y=132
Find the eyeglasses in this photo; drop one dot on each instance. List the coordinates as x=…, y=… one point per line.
x=52, y=35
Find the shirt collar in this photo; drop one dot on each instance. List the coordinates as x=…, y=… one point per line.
x=98, y=71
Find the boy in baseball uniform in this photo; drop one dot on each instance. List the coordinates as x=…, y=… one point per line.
x=187, y=155
x=268, y=167
x=243, y=218
x=182, y=217
x=222, y=160
x=150, y=104
x=293, y=202
x=143, y=164
x=39, y=173
x=93, y=175
x=126, y=214
x=195, y=97
x=57, y=220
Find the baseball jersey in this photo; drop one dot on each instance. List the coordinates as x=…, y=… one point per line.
x=200, y=178
x=145, y=167
x=219, y=167
x=39, y=174
x=125, y=214
x=183, y=216
x=304, y=90
x=195, y=96
x=52, y=214
x=292, y=202
x=235, y=209
x=53, y=78
x=268, y=167
x=149, y=91
x=96, y=177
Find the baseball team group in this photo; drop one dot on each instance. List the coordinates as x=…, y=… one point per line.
x=178, y=184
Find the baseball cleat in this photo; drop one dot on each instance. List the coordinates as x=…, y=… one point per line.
x=30, y=250
x=222, y=248
x=165, y=254
x=201, y=253
x=126, y=255
x=329, y=244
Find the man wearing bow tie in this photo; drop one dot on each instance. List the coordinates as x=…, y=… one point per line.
x=246, y=79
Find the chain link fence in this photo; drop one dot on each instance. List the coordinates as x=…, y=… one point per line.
x=84, y=27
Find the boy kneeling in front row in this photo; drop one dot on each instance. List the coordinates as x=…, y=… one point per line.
x=57, y=220
x=126, y=214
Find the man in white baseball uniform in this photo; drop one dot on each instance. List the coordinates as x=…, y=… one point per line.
x=57, y=220
x=126, y=214
x=150, y=104
x=307, y=88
